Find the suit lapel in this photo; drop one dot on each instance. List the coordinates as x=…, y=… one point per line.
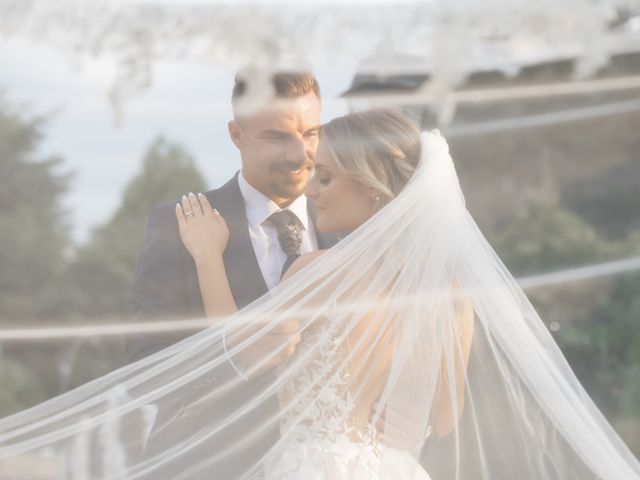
x=243, y=271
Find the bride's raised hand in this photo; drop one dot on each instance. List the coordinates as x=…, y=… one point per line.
x=202, y=229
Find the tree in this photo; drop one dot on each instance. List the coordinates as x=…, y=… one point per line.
x=548, y=237
x=32, y=221
x=32, y=246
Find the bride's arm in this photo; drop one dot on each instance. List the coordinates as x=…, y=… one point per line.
x=301, y=262
x=205, y=236
x=402, y=423
x=443, y=416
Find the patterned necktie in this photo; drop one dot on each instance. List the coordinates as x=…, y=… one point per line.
x=289, y=230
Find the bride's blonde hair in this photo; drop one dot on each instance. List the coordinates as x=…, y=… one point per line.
x=378, y=148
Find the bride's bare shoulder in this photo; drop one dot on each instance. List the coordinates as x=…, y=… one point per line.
x=302, y=262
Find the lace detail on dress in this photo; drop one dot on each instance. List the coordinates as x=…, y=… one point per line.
x=325, y=409
x=321, y=403
x=321, y=436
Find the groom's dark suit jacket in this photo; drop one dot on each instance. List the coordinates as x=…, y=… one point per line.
x=166, y=286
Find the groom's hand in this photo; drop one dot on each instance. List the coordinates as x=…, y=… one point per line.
x=279, y=344
x=400, y=428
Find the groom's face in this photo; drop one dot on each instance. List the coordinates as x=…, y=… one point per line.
x=278, y=146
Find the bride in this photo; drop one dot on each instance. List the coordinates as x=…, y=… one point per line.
x=412, y=315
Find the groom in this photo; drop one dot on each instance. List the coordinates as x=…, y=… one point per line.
x=277, y=144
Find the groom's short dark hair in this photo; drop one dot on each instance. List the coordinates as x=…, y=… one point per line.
x=285, y=85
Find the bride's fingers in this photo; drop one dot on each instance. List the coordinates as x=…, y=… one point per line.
x=390, y=433
x=195, y=204
x=219, y=217
x=182, y=221
x=287, y=327
x=186, y=208
x=396, y=422
x=204, y=204
x=294, y=340
x=208, y=209
x=393, y=442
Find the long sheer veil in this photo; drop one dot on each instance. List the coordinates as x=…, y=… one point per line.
x=379, y=319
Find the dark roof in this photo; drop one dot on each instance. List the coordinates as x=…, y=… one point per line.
x=551, y=71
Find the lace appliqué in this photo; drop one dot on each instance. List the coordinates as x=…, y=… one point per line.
x=320, y=423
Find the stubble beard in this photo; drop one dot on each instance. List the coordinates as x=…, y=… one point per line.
x=289, y=191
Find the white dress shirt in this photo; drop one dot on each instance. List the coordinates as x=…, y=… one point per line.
x=264, y=236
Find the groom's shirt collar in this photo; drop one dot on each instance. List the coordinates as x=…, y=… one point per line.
x=259, y=207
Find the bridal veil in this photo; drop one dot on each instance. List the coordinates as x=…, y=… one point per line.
x=380, y=320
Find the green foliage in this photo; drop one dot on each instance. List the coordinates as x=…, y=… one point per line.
x=609, y=201
x=19, y=388
x=547, y=237
x=604, y=349
x=34, y=231
x=602, y=340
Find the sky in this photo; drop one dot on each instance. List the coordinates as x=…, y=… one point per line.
x=186, y=103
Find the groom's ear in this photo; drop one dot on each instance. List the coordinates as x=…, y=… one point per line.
x=235, y=132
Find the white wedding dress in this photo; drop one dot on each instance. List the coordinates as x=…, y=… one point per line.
x=332, y=440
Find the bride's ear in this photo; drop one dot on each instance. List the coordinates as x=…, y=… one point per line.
x=235, y=132
x=376, y=198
